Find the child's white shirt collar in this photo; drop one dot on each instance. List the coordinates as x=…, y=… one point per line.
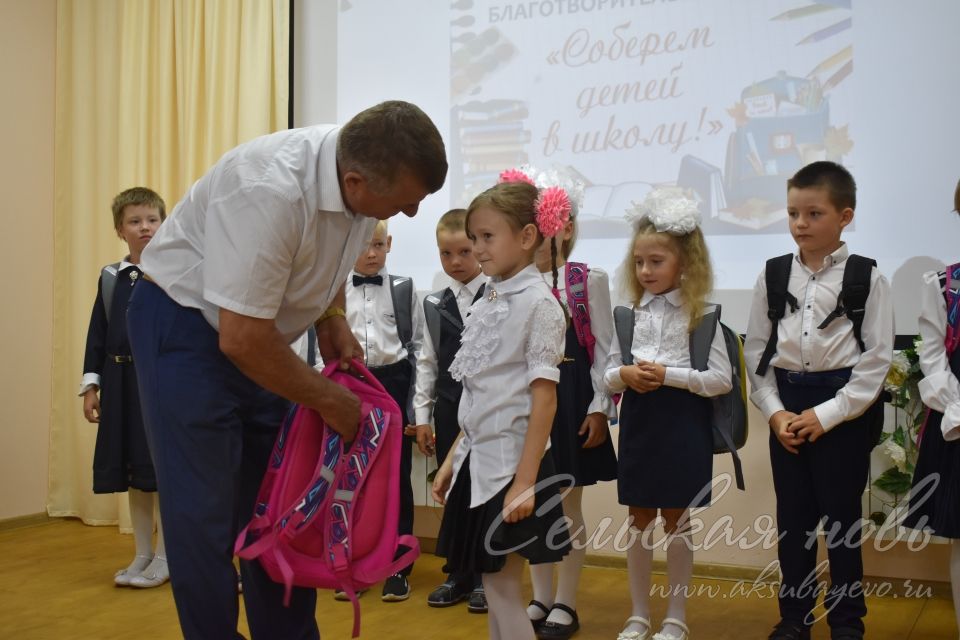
x=521, y=280
x=836, y=257
x=673, y=297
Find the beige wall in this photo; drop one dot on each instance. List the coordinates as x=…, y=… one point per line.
x=27, y=52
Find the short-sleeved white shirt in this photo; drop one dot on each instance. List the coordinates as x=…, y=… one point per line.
x=513, y=336
x=265, y=233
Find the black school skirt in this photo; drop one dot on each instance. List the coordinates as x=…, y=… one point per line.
x=665, y=455
x=478, y=541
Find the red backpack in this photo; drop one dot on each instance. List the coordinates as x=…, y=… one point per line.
x=327, y=517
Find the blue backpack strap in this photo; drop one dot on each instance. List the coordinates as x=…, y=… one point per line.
x=623, y=321
x=777, y=276
x=108, y=279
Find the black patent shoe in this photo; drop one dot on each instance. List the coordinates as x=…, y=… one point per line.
x=447, y=594
x=554, y=630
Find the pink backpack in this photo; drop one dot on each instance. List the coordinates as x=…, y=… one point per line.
x=325, y=517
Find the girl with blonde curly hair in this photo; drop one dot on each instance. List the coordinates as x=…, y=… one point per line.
x=666, y=440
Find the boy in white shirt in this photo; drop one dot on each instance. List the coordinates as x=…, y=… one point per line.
x=437, y=393
x=816, y=378
x=384, y=314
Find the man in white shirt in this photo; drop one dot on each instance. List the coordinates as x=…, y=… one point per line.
x=256, y=252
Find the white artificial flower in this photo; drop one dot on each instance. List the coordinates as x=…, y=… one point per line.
x=669, y=209
x=897, y=454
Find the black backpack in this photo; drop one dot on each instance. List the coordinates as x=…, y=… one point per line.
x=851, y=302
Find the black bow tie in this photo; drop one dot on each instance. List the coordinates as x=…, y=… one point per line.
x=362, y=280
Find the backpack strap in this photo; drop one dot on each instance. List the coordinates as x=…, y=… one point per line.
x=108, y=282
x=623, y=321
x=578, y=302
x=401, y=290
x=952, y=297
x=312, y=346
x=701, y=338
x=854, y=291
x=350, y=476
x=431, y=315
x=777, y=276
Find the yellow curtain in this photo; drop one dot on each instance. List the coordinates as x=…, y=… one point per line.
x=148, y=93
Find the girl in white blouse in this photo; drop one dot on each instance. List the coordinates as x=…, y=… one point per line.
x=580, y=439
x=666, y=441
x=935, y=499
x=501, y=502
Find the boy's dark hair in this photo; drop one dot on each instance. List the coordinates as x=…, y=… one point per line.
x=380, y=140
x=136, y=196
x=840, y=186
x=453, y=221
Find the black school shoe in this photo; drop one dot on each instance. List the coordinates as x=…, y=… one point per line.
x=539, y=621
x=478, y=601
x=786, y=630
x=846, y=633
x=556, y=631
x=447, y=594
x=396, y=588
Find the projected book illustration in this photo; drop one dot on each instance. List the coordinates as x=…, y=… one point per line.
x=543, y=88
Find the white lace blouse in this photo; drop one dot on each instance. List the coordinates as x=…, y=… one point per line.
x=513, y=336
x=660, y=335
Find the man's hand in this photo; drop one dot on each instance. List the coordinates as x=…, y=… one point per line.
x=780, y=424
x=597, y=429
x=335, y=341
x=341, y=410
x=91, y=405
x=807, y=426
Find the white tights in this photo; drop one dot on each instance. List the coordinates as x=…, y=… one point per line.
x=143, y=510
x=568, y=569
x=507, y=618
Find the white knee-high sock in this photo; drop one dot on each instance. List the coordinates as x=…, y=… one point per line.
x=541, y=576
x=568, y=578
x=639, y=569
x=158, y=569
x=509, y=619
x=141, y=517
x=955, y=577
x=679, y=573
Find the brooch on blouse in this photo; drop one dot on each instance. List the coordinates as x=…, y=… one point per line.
x=493, y=294
x=133, y=277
